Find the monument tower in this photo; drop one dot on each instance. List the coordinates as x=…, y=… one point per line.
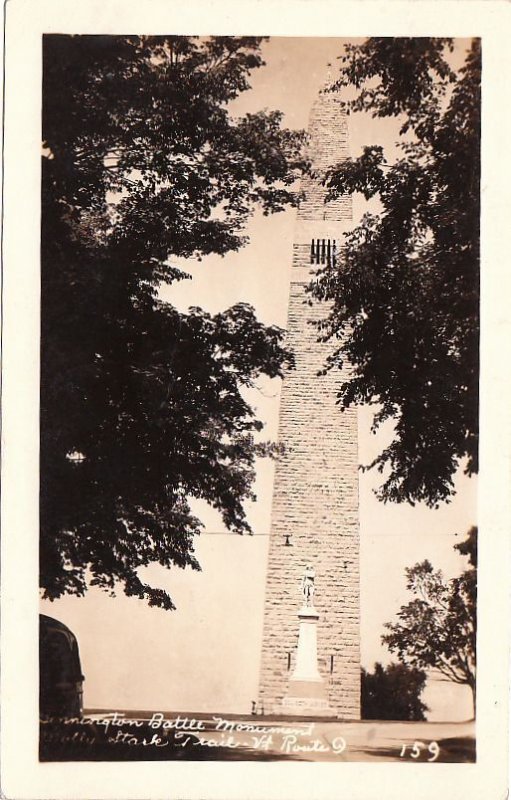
x=315, y=501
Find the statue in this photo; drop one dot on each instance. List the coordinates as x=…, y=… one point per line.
x=308, y=585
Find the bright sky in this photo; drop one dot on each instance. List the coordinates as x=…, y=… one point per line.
x=205, y=655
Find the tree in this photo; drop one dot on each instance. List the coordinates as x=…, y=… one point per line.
x=142, y=406
x=393, y=692
x=405, y=293
x=438, y=628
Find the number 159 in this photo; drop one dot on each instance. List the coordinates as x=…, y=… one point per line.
x=415, y=749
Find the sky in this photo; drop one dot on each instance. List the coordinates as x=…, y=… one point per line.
x=205, y=655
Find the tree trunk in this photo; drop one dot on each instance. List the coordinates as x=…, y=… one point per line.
x=473, y=690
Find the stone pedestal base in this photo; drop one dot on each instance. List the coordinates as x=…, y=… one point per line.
x=307, y=693
x=305, y=707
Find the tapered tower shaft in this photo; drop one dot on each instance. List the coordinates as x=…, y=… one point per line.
x=315, y=500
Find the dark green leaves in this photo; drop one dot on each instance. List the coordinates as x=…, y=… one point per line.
x=407, y=287
x=393, y=692
x=142, y=407
x=398, y=76
x=437, y=629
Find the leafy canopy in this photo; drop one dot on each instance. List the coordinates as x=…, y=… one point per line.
x=142, y=406
x=437, y=629
x=393, y=692
x=406, y=291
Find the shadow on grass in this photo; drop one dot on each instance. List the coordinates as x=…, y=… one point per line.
x=124, y=753
x=62, y=741
x=73, y=740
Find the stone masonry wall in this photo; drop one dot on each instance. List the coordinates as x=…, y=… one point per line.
x=315, y=496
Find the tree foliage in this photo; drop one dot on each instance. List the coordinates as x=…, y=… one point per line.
x=407, y=287
x=142, y=406
x=393, y=692
x=438, y=628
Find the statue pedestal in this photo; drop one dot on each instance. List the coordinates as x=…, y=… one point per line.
x=307, y=693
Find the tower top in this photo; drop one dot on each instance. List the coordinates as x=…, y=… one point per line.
x=327, y=146
x=329, y=77
x=327, y=129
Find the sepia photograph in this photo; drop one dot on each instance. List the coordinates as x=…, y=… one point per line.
x=258, y=506
x=259, y=274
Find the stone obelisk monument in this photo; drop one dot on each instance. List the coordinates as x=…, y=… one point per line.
x=315, y=500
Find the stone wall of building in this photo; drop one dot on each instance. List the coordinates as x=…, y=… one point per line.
x=315, y=498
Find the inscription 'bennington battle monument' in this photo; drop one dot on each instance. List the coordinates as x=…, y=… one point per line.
x=315, y=500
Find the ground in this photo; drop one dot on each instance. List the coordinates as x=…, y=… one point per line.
x=141, y=736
